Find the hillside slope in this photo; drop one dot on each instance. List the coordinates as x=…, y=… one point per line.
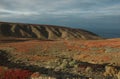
x=43, y=31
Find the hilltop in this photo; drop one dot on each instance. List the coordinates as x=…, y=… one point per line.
x=46, y=32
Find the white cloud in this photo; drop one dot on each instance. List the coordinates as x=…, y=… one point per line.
x=18, y=12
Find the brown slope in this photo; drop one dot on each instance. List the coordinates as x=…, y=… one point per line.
x=43, y=31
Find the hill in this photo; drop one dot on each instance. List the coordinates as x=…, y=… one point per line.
x=46, y=32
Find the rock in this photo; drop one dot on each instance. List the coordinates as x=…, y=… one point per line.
x=110, y=71
x=88, y=69
x=118, y=75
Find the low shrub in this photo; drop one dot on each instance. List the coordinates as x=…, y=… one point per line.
x=14, y=74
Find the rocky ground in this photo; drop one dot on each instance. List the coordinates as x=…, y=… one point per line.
x=62, y=59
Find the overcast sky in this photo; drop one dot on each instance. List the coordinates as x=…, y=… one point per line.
x=73, y=13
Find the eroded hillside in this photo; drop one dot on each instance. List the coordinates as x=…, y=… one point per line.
x=43, y=31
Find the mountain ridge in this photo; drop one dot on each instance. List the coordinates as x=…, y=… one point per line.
x=24, y=30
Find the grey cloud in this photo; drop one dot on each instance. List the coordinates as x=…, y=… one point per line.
x=62, y=10
x=84, y=8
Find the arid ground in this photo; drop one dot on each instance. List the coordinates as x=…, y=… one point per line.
x=70, y=58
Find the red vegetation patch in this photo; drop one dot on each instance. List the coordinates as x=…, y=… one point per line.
x=14, y=73
x=106, y=58
x=35, y=75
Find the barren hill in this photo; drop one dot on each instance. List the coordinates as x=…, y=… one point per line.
x=43, y=31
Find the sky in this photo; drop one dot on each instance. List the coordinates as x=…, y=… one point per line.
x=99, y=16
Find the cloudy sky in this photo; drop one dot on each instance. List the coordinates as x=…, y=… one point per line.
x=87, y=14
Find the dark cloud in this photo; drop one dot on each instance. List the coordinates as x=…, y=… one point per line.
x=76, y=13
